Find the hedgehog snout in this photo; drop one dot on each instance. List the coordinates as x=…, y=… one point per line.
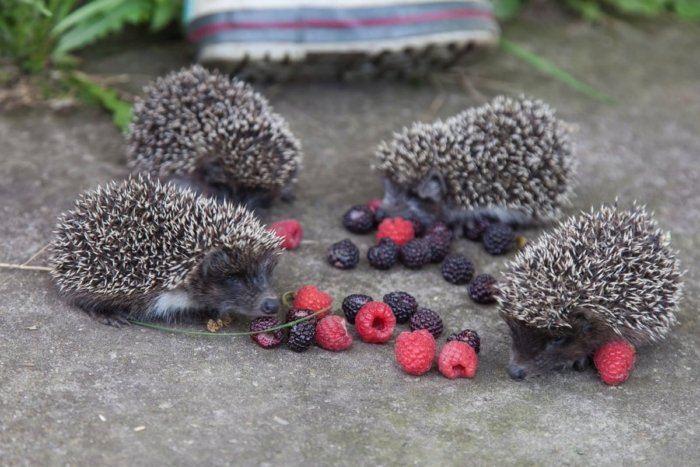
x=517, y=372
x=270, y=306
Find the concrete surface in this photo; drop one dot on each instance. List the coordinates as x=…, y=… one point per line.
x=74, y=392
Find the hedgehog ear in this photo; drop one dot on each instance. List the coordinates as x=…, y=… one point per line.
x=432, y=186
x=215, y=264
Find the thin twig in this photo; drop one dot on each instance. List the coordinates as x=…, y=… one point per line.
x=35, y=255
x=435, y=106
x=24, y=267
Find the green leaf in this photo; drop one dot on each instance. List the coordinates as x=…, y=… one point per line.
x=108, y=98
x=507, y=9
x=639, y=7
x=164, y=12
x=553, y=71
x=687, y=9
x=588, y=9
x=39, y=6
x=86, y=33
x=85, y=12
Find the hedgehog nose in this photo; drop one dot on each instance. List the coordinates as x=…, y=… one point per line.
x=516, y=372
x=270, y=306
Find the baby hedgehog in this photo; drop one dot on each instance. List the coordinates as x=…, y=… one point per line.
x=143, y=250
x=601, y=276
x=217, y=136
x=509, y=160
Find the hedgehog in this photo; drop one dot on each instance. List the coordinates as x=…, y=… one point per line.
x=144, y=250
x=217, y=136
x=510, y=160
x=600, y=276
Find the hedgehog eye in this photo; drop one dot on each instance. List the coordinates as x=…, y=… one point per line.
x=559, y=340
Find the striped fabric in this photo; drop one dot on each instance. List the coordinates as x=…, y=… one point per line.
x=346, y=23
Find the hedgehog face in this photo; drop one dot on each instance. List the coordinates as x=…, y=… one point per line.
x=424, y=203
x=538, y=350
x=225, y=289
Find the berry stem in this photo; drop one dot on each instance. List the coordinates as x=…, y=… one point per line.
x=24, y=267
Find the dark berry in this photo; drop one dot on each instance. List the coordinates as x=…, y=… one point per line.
x=352, y=304
x=402, y=305
x=482, y=289
x=343, y=254
x=437, y=227
x=359, y=219
x=298, y=313
x=427, y=319
x=457, y=269
x=474, y=228
x=383, y=255
x=439, y=243
x=418, y=227
x=498, y=239
x=266, y=340
x=468, y=337
x=301, y=336
x=415, y=253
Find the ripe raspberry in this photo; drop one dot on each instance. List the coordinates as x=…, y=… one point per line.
x=614, y=361
x=343, y=254
x=332, y=333
x=352, y=304
x=291, y=232
x=359, y=219
x=310, y=298
x=468, y=337
x=402, y=305
x=384, y=255
x=375, y=322
x=482, y=289
x=415, y=253
x=457, y=360
x=298, y=313
x=437, y=227
x=301, y=336
x=374, y=205
x=474, y=229
x=397, y=229
x=266, y=340
x=457, y=269
x=498, y=239
x=426, y=318
x=415, y=351
x=439, y=243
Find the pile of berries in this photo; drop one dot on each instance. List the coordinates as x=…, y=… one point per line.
x=374, y=322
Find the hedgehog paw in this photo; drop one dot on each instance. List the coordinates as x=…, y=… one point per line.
x=117, y=320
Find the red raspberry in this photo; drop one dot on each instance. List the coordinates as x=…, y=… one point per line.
x=332, y=333
x=310, y=298
x=374, y=204
x=375, y=322
x=290, y=231
x=614, y=361
x=397, y=229
x=415, y=351
x=457, y=360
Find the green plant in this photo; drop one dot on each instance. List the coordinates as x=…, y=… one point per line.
x=596, y=10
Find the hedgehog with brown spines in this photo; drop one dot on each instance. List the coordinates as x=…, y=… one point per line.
x=215, y=135
x=145, y=250
x=509, y=160
x=603, y=275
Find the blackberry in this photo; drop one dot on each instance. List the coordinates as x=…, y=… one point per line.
x=418, y=227
x=298, y=313
x=352, y=304
x=437, y=227
x=383, y=255
x=468, y=337
x=498, y=239
x=427, y=319
x=482, y=289
x=457, y=269
x=343, y=254
x=359, y=219
x=415, y=253
x=474, y=228
x=301, y=336
x=439, y=243
x=266, y=340
x=402, y=304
